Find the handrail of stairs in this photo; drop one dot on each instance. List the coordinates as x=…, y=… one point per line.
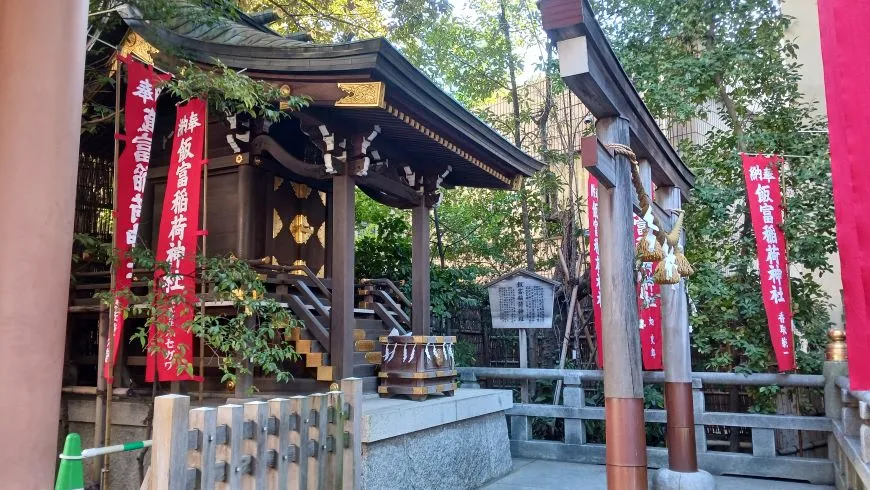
x=390, y=306
x=389, y=320
x=312, y=324
x=309, y=296
x=392, y=287
x=318, y=283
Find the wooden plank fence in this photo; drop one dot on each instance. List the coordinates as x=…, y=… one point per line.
x=298, y=443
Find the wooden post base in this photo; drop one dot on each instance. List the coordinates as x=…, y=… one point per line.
x=626, y=443
x=682, y=455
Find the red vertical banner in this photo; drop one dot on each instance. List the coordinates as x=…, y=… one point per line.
x=764, y=197
x=844, y=40
x=648, y=307
x=595, y=265
x=140, y=110
x=176, y=246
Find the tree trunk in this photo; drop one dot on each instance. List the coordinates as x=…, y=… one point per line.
x=515, y=125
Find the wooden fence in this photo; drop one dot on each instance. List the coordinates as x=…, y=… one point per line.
x=302, y=442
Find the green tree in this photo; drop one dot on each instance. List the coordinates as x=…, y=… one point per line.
x=688, y=57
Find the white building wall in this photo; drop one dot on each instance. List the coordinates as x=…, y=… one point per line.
x=804, y=30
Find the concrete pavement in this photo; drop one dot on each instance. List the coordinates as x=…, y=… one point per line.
x=532, y=474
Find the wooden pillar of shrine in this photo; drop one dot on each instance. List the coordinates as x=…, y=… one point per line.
x=40, y=116
x=623, y=386
x=420, y=280
x=342, y=321
x=682, y=455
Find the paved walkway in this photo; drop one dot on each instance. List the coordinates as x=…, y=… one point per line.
x=536, y=474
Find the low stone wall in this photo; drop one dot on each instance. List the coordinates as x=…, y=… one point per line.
x=459, y=442
x=130, y=424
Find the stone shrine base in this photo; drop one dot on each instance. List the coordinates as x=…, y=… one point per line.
x=458, y=442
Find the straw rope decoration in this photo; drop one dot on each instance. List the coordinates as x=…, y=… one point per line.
x=666, y=249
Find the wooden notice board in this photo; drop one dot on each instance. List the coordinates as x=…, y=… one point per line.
x=521, y=299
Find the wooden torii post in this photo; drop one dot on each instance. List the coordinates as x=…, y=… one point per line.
x=591, y=70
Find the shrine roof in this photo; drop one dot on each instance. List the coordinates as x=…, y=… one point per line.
x=434, y=121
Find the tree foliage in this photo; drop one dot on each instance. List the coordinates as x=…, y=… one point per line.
x=383, y=244
x=340, y=21
x=733, y=59
x=230, y=92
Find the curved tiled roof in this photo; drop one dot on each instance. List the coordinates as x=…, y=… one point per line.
x=246, y=44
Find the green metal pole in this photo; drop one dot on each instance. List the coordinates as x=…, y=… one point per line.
x=70, y=475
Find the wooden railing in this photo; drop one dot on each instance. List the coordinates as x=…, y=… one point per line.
x=390, y=286
x=762, y=462
x=383, y=294
x=851, y=453
x=302, y=442
x=301, y=270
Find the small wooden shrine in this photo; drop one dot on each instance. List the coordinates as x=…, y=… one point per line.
x=281, y=195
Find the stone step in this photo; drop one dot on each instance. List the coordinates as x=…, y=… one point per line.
x=374, y=358
x=365, y=345
x=364, y=370
x=324, y=373
x=316, y=359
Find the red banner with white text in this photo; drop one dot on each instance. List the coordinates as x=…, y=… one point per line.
x=176, y=246
x=595, y=265
x=764, y=197
x=844, y=40
x=140, y=110
x=648, y=307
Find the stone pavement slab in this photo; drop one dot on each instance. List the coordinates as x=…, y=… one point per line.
x=531, y=474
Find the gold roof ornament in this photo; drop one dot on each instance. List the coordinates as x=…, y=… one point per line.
x=361, y=94
x=136, y=45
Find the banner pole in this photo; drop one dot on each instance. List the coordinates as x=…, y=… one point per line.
x=107, y=432
x=202, y=285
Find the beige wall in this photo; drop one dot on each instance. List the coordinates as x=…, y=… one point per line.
x=804, y=30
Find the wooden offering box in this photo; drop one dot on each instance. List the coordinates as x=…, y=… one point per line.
x=417, y=366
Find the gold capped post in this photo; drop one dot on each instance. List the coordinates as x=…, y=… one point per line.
x=836, y=350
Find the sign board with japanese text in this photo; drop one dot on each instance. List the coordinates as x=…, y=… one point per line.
x=140, y=111
x=595, y=266
x=176, y=247
x=765, y=207
x=521, y=299
x=648, y=306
